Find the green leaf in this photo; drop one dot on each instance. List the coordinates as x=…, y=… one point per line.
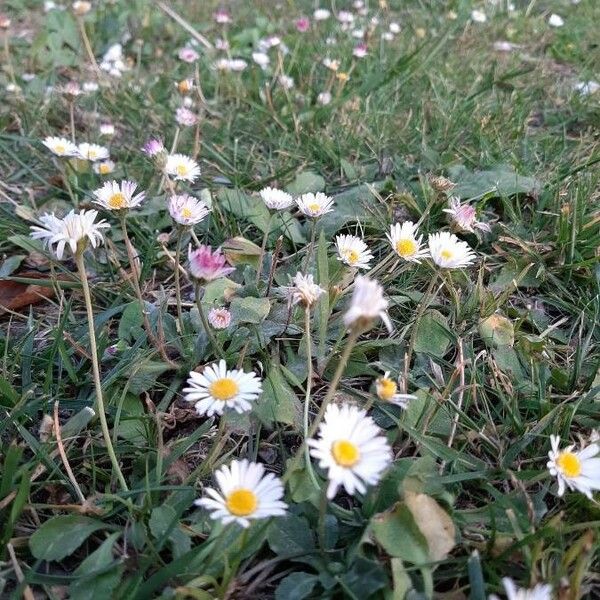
x=130, y=325
x=496, y=331
x=278, y=402
x=398, y=534
x=365, y=577
x=11, y=264
x=250, y=309
x=144, y=374
x=502, y=180
x=296, y=586
x=97, y=580
x=131, y=423
x=290, y=535
x=306, y=182
x=432, y=337
x=161, y=520
x=60, y=536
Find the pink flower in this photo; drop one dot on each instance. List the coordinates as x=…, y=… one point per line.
x=219, y=318
x=360, y=50
x=184, y=116
x=302, y=24
x=188, y=55
x=153, y=147
x=464, y=216
x=222, y=17
x=207, y=265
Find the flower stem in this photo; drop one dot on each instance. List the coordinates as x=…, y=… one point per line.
x=211, y=336
x=96, y=368
x=263, y=248
x=313, y=237
x=309, y=376
x=178, y=281
x=323, y=501
x=88, y=46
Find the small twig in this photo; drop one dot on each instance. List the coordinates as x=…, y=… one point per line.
x=27, y=593
x=63, y=455
x=181, y=21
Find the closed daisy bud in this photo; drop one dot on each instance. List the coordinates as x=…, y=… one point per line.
x=218, y=388
x=81, y=8
x=115, y=196
x=276, y=199
x=575, y=470
x=219, y=318
x=187, y=210
x=406, y=242
x=352, y=251
x=75, y=230
x=182, y=167
x=542, y=591
x=245, y=493
x=304, y=290
x=188, y=55
x=206, y=264
x=185, y=86
x=464, y=216
x=441, y=184
x=351, y=448
x=448, y=252
x=92, y=152
x=185, y=117
x=60, y=146
x=367, y=305
x=153, y=147
x=107, y=129
x=387, y=390
x=315, y=205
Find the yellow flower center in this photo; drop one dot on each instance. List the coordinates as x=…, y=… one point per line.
x=569, y=464
x=60, y=149
x=104, y=169
x=224, y=389
x=386, y=389
x=314, y=207
x=345, y=453
x=351, y=256
x=117, y=201
x=446, y=254
x=186, y=213
x=241, y=502
x=181, y=170
x=406, y=247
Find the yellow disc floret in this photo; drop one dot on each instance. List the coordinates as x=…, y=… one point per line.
x=345, y=453
x=241, y=502
x=224, y=389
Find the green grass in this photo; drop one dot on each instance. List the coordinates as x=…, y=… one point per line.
x=507, y=127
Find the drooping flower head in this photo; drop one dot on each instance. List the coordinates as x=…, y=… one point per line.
x=387, y=390
x=406, y=242
x=188, y=55
x=542, y=591
x=352, y=449
x=245, y=493
x=218, y=388
x=187, y=210
x=464, y=216
x=276, y=199
x=304, y=290
x=115, y=196
x=74, y=230
x=353, y=251
x=448, y=252
x=575, y=470
x=367, y=305
x=219, y=318
x=207, y=264
x=182, y=167
x=92, y=152
x=315, y=205
x=103, y=167
x=153, y=147
x=60, y=146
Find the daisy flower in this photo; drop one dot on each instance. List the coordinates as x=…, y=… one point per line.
x=555, y=20
x=366, y=305
x=387, y=390
x=219, y=318
x=74, y=230
x=104, y=167
x=222, y=17
x=314, y=205
x=576, y=470
x=182, y=167
x=304, y=290
x=360, y=51
x=92, y=152
x=350, y=446
x=185, y=117
x=153, y=147
x=206, y=264
x=406, y=242
x=188, y=55
x=464, y=216
x=187, y=210
x=246, y=492
x=448, y=252
x=542, y=591
x=60, y=146
x=276, y=199
x=218, y=388
x=107, y=129
x=321, y=14
x=115, y=196
x=352, y=251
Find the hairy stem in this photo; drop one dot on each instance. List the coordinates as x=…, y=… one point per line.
x=211, y=336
